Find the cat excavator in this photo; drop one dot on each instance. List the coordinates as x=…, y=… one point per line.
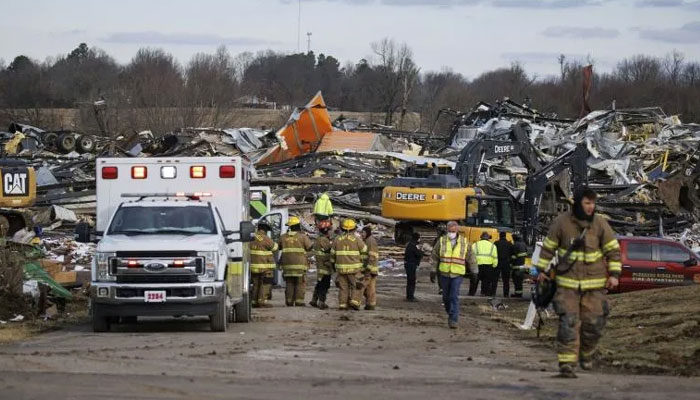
x=18, y=181
x=426, y=203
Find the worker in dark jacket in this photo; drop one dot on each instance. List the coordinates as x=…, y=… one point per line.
x=505, y=252
x=412, y=257
x=518, y=267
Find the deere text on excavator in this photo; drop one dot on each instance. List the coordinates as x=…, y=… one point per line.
x=426, y=202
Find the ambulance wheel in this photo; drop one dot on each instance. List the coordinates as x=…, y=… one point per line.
x=219, y=321
x=100, y=323
x=242, y=310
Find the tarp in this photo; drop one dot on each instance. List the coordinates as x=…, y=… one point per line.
x=302, y=134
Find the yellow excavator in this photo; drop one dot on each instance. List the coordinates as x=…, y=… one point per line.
x=18, y=191
x=419, y=203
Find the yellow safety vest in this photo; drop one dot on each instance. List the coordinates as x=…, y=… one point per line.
x=486, y=253
x=452, y=260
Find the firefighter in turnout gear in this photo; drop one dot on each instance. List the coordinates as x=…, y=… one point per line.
x=346, y=252
x=452, y=259
x=293, y=261
x=370, y=269
x=580, y=298
x=262, y=266
x=487, y=258
x=324, y=264
x=518, y=265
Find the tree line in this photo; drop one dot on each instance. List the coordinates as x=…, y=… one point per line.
x=154, y=91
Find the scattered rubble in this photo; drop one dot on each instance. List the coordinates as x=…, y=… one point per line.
x=645, y=163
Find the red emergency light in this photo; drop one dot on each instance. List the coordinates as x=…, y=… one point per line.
x=110, y=172
x=139, y=172
x=227, y=171
x=133, y=264
x=198, y=172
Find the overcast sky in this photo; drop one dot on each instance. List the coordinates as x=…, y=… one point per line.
x=468, y=36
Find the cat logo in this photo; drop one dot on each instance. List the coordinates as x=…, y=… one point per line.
x=14, y=184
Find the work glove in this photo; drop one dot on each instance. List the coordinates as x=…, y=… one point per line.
x=359, y=285
x=337, y=283
x=433, y=276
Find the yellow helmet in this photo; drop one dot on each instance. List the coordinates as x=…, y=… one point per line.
x=349, y=224
x=293, y=221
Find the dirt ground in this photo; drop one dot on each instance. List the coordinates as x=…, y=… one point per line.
x=651, y=331
x=401, y=350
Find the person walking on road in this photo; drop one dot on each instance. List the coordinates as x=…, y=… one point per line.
x=294, y=263
x=452, y=258
x=505, y=253
x=487, y=259
x=346, y=252
x=518, y=265
x=581, y=279
x=412, y=257
x=324, y=265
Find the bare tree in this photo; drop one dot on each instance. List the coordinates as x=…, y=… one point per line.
x=398, y=73
x=673, y=65
x=210, y=88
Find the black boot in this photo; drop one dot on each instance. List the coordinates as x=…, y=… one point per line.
x=314, y=301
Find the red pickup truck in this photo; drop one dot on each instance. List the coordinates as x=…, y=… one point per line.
x=650, y=263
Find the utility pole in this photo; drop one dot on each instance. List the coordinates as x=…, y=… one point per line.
x=308, y=42
x=299, y=29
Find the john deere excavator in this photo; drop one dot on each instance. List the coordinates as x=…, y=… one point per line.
x=420, y=203
x=425, y=203
x=18, y=191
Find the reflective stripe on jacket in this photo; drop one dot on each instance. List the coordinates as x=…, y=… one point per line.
x=371, y=260
x=322, y=252
x=261, y=253
x=453, y=260
x=293, y=248
x=588, y=271
x=486, y=253
x=346, y=253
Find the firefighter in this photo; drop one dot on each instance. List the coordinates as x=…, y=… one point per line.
x=580, y=298
x=294, y=263
x=262, y=266
x=487, y=259
x=370, y=269
x=324, y=265
x=452, y=259
x=346, y=252
x=518, y=265
x=506, y=250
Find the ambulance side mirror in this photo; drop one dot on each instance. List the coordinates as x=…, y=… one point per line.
x=82, y=232
x=247, y=231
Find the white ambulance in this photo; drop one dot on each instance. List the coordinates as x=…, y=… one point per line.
x=170, y=237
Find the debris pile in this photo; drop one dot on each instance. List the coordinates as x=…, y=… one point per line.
x=644, y=162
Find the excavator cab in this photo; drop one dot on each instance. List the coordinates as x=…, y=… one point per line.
x=488, y=213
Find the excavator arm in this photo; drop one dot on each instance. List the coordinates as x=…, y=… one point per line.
x=573, y=160
x=478, y=150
